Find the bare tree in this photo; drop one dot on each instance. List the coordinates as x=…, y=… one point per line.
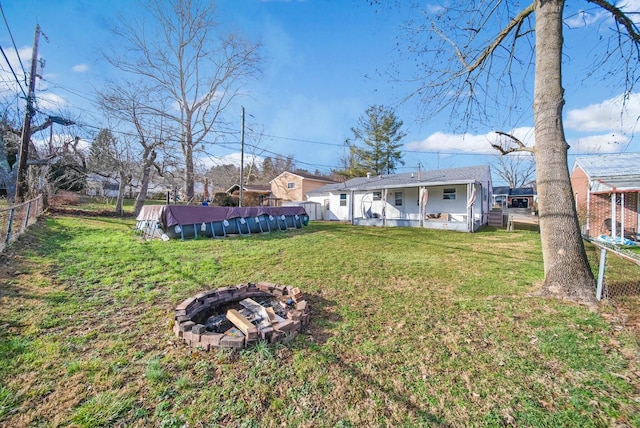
x=472, y=67
x=517, y=170
x=142, y=136
x=200, y=72
x=109, y=155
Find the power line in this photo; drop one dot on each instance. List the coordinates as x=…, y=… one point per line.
x=24, y=73
x=302, y=141
x=13, y=72
x=13, y=41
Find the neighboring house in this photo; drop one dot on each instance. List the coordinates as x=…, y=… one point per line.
x=457, y=199
x=521, y=197
x=108, y=187
x=606, y=192
x=294, y=186
x=98, y=185
x=500, y=195
x=252, y=194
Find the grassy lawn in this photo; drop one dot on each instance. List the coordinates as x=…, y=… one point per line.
x=408, y=327
x=94, y=204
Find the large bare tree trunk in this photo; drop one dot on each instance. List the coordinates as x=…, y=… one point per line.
x=121, y=190
x=189, y=177
x=567, y=271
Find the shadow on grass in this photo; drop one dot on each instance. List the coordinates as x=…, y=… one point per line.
x=410, y=410
x=324, y=321
x=390, y=392
x=324, y=317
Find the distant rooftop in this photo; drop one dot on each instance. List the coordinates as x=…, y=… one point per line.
x=612, y=173
x=519, y=191
x=603, y=166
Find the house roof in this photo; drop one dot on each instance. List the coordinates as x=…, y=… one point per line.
x=604, y=166
x=522, y=191
x=500, y=190
x=308, y=176
x=616, y=185
x=450, y=176
x=619, y=172
x=518, y=191
x=255, y=188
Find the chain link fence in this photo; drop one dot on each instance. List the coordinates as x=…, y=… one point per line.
x=618, y=272
x=15, y=220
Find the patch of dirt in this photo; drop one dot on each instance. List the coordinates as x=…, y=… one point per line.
x=78, y=212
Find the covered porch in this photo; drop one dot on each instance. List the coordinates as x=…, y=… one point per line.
x=451, y=207
x=613, y=210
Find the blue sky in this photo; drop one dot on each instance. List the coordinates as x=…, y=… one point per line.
x=326, y=63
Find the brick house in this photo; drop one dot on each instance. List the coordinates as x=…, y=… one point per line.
x=606, y=190
x=294, y=186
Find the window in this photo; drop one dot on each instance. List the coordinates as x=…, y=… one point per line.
x=291, y=185
x=343, y=199
x=449, y=194
x=398, y=199
x=377, y=196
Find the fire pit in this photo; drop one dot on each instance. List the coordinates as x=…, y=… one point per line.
x=236, y=317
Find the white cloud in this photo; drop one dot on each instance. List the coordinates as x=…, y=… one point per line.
x=631, y=7
x=9, y=84
x=49, y=101
x=470, y=143
x=230, y=159
x=614, y=114
x=584, y=18
x=57, y=142
x=80, y=68
x=598, y=128
x=606, y=143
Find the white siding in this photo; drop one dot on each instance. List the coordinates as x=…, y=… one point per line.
x=372, y=208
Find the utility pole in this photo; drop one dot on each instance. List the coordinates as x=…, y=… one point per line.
x=241, y=159
x=21, y=185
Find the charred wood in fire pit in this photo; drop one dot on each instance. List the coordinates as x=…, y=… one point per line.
x=218, y=323
x=217, y=319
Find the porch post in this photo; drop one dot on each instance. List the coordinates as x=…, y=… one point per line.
x=614, y=217
x=469, y=208
x=351, y=207
x=588, y=221
x=421, y=211
x=622, y=217
x=384, y=207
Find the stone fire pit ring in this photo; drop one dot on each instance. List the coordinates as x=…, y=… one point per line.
x=197, y=318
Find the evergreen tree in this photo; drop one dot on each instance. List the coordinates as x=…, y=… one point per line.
x=379, y=131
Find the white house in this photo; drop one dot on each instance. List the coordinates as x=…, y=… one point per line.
x=457, y=199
